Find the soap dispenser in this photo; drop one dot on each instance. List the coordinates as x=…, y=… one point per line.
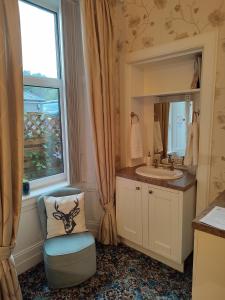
x=149, y=159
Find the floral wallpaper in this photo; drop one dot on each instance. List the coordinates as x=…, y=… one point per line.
x=146, y=23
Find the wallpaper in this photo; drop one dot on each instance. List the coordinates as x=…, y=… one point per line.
x=145, y=23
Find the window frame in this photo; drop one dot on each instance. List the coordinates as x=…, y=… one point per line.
x=58, y=83
x=188, y=106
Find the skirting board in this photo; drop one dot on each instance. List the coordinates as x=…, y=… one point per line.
x=93, y=227
x=172, y=264
x=31, y=256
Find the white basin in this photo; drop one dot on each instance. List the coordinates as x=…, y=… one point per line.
x=159, y=173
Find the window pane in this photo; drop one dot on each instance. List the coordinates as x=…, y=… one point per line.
x=42, y=133
x=179, y=117
x=38, y=41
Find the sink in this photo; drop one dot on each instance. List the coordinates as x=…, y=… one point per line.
x=159, y=173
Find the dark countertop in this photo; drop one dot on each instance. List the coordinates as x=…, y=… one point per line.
x=181, y=184
x=220, y=201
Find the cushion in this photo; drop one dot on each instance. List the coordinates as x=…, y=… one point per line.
x=64, y=249
x=65, y=215
x=65, y=191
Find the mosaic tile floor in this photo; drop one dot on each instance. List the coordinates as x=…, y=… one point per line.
x=122, y=273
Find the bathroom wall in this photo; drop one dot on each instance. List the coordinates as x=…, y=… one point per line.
x=145, y=23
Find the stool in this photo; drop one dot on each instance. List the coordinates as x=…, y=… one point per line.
x=69, y=259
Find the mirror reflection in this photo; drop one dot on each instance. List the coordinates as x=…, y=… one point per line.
x=171, y=121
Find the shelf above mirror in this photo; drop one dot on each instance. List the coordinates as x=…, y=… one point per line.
x=184, y=93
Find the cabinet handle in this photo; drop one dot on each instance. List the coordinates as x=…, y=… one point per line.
x=137, y=188
x=150, y=192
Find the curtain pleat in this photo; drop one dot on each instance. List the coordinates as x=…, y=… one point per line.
x=162, y=111
x=74, y=82
x=99, y=59
x=11, y=144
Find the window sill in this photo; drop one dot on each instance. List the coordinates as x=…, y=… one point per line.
x=38, y=192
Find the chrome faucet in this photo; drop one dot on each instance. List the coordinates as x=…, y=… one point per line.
x=172, y=165
x=155, y=163
x=169, y=158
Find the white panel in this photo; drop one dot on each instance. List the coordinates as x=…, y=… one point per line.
x=28, y=251
x=188, y=213
x=29, y=228
x=164, y=223
x=129, y=210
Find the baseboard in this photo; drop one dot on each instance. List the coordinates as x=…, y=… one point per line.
x=93, y=227
x=28, y=258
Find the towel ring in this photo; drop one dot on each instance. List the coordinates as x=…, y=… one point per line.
x=133, y=115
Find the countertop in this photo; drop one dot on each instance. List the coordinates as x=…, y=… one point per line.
x=181, y=184
x=220, y=201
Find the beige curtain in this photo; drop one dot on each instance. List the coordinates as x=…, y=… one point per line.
x=162, y=114
x=99, y=54
x=74, y=82
x=11, y=144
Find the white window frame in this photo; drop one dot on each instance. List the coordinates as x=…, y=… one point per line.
x=59, y=83
x=171, y=127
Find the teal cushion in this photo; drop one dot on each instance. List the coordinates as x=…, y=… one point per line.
x=64, y=249
x=67, y=244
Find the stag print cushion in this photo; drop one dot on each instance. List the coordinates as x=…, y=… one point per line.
x=65, y=215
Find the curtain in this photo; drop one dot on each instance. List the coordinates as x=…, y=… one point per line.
x=162, y=112
x=99, y=54
x=11, y=144
x=74, y=84
x=196, y=81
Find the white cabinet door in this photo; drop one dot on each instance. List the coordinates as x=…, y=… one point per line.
x=163, y=220
x=129, y=210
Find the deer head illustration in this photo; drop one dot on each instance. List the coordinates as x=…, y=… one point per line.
x=68, y=219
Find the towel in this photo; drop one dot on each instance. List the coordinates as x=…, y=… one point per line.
x=136, y=141
x=191, y=155
x=158, y=146
x=195, y=135
x=189, y=148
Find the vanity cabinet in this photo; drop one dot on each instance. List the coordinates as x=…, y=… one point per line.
x=156, y=220
x=129, y=210
x=209, y=259
x=161, y=220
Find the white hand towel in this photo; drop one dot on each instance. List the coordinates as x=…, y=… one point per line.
x=189, y=148
x=195, y=133
x=136, y=141
x=192, y=148
x=158, y=146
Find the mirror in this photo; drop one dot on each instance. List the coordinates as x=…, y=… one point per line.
x=171, y=121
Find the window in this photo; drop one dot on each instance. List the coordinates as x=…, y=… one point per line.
x=44, y=133
x=180, y=116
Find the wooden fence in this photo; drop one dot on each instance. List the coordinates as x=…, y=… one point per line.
x=43, y=147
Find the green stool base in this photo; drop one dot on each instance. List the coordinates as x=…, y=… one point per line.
x=69, y=259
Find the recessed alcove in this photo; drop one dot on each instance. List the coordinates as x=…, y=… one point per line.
x=166, y=76
x=153, y=81
x=165, y=73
